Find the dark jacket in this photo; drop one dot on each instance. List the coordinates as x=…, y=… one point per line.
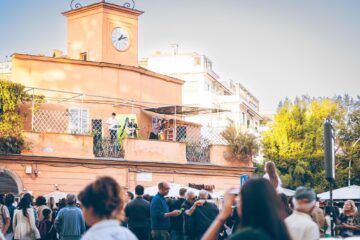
x=204, y=216
x=189, y=226
x=177, y=222
x=138, y=213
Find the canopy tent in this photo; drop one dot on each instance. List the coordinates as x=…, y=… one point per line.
x=174, y=190
x=288, y=192
x=344, y=193
x=57, y=195
x=184, y=110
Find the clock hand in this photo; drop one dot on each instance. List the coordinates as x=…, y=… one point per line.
x=121, y=37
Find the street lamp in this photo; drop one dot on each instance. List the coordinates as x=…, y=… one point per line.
x=349, y=179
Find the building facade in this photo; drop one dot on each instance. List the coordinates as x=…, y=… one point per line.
x=203, y=87
x=100, y=75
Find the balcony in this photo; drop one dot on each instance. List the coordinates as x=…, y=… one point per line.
x=79, y=130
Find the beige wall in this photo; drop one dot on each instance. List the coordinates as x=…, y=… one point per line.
x=218, y=155
x=155, y=151
x=94, y=79
x=58, y=145
x=74, y=177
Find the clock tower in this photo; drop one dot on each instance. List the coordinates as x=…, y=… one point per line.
x=103, y=32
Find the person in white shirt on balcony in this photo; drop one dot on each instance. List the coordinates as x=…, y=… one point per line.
x=299, y=224
x=113, y=125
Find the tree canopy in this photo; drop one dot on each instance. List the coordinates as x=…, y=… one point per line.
x=294, y=140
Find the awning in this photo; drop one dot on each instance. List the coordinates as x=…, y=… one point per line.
x=344, y=193
x=184, y=110
x=179, y=121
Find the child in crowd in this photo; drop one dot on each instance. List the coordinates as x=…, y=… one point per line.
x=45, y=226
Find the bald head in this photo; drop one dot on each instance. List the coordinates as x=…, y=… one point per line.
x=203, y=194
x=164, y=188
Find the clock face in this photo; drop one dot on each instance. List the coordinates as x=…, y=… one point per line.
x=120, y=38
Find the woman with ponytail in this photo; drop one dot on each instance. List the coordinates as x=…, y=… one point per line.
x=102, y=205
x=272, y=176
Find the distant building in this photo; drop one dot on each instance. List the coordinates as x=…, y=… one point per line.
x=204, y=88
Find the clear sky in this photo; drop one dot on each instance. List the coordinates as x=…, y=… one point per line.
x=275, y=48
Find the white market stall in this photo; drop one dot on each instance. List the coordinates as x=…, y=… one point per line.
x=344, y=193
x=288, y=192
x=57, y=195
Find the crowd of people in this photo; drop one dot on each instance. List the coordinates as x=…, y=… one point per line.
x=103, y=210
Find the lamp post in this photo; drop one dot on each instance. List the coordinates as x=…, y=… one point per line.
x=350, y=161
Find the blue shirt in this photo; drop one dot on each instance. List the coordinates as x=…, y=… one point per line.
x=70, y=223
x=158, y=208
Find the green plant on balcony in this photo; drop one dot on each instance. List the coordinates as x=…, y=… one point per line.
x=243, y=146
x=11, y=123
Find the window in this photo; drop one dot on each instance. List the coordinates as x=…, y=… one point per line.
x=83, y=56
x=79, y=120
x=248, y=123
x=243, y=118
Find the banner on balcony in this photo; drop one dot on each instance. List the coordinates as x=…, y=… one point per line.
x=128, y=126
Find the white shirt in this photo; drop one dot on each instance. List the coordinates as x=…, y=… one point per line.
x=302, y=227
x=108, y=230
x=112, y=123
x=279, y=187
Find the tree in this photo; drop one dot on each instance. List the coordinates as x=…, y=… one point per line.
x=243, y=145
x=295, y=140
x=11, y=123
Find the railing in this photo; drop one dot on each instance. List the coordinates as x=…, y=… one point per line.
x=77, y=121
x=87, y=115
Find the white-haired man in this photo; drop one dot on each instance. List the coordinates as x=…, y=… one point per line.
x=299, y=224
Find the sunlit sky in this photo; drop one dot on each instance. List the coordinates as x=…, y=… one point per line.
x=275, y=48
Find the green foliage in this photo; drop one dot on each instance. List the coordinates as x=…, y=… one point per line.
x=11, y=145
x=11, y=123
x=295, y=140
x=243, y=145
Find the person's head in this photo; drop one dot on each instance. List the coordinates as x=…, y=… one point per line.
x=270, y=169
x=147, y=197
x=113, y=115
x=259, y=207
x=285, y=208
x=349, y=207
x=70, y=199
x=203, y=195
x=23, y=205
x=101, y=199
x=328, y=210
x=46, y=213
x=182, y=192
x=40, y=200
x=62, y=203
x=9, y=199
x=304, y=200
x=164, y=188
x=29, y=197
x=130, y=196
x=190, y=197
x=51, y=203
x=139, y=190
